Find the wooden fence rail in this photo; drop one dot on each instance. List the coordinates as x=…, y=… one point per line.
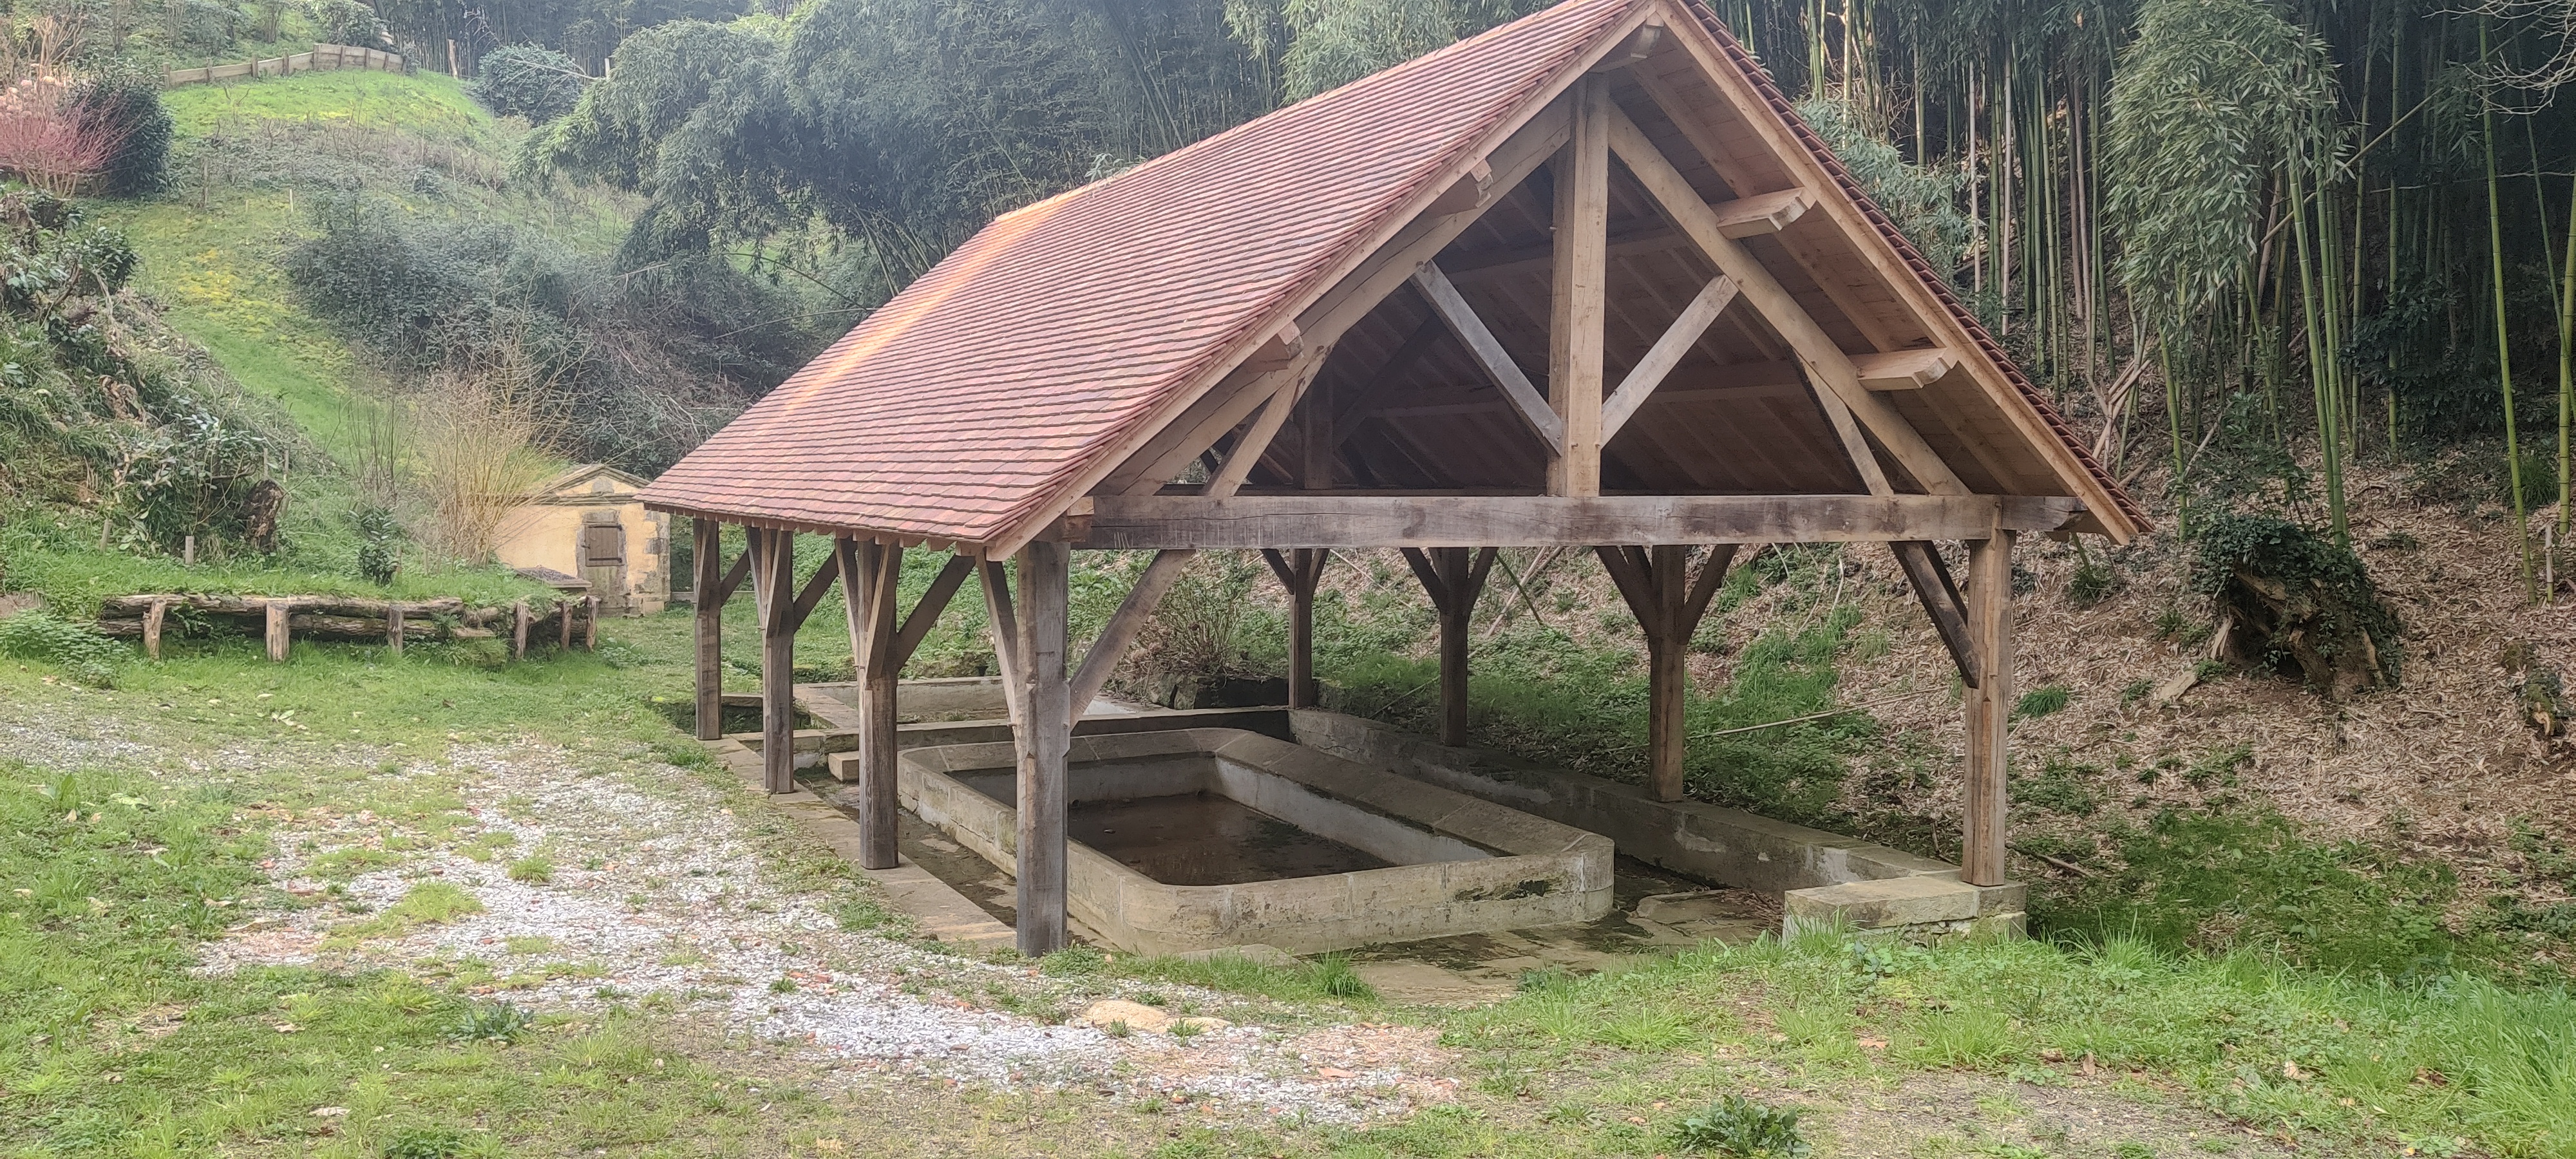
x=278, y=619
x=323, y=56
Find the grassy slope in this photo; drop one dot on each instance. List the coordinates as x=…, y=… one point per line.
x=251, y=154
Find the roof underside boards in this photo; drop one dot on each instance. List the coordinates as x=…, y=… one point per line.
x=980, y=398
x=990, y=385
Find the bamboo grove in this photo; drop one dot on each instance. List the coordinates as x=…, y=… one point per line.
x=2255, y=243
x=2324, y=231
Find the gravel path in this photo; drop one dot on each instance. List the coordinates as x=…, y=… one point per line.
x=654, y=892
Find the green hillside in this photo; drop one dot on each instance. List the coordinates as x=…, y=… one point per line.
x=249, y=161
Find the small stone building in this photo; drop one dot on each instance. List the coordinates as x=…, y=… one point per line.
x=590, y=522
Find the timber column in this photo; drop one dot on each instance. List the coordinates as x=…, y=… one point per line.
x=1045, y=736
x=707, y=537
x=870, y=572
x=774, y=571
x=1989, y=707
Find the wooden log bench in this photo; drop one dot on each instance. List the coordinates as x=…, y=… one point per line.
x=279, y=619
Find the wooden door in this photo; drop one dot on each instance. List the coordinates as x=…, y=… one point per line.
x=603, y=563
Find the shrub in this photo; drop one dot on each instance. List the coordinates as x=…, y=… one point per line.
x=78, y=649
x=527, y=80
x=646, y=363
x=345, y=22
x=50, y=139
x=379, y=545
x=1738, y=1126
x=126, y=101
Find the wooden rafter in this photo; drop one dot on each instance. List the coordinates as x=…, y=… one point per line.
x=1489, y=355
x=1815, y=349
x=1667, y=353
x=1111, y=645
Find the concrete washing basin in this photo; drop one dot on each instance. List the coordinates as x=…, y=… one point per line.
x=1202, y=838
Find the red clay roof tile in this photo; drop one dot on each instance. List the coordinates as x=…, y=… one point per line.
x=975, y=400
x=982, y=391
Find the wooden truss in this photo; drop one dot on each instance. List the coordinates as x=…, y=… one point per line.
x=1668, y=553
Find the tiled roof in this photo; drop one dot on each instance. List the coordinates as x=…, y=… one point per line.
x=979, y=398
x=986, y=388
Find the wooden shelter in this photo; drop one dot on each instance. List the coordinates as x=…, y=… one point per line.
x=1582, y=281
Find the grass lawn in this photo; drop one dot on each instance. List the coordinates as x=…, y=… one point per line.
x=146, y=819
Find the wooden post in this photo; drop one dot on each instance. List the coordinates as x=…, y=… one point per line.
x=1301, y=571
x=590, y=623
x=1045, y=735
x=1454, y=583
x=774, y=576
x=706, y=538
x=394, y=626
x=1577, y=312
x=1669, y=603
x=1454, y=620
x=1989, y=707
x=519, y=629
x=563, y=624
x=188, y=552
x=871, y=572
x=152, y=628
x=1668, y=681
x=277, y=631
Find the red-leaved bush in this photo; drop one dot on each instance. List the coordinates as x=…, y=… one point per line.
x=48, y=140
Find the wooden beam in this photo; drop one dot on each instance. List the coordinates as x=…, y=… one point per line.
x=934, y=601
x=1004, y=629
x=1578, y=308
x=152, y=627
x=732, y=579
x=1815, y=349
x=1762, y=213
x=1465, y=194
x=1101, y=659
x=393, y=629
x=1045, y=734
x=1639, y=45
x=1134, y=522
x=1928, y=306
x=1940, y=597
x=1667, y=353
x=774, y=582
x=1487, y=350
x=1903, y=369
x=1989, y=708
x=1281, y=349
x=1166, y=446
x=811, y=595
